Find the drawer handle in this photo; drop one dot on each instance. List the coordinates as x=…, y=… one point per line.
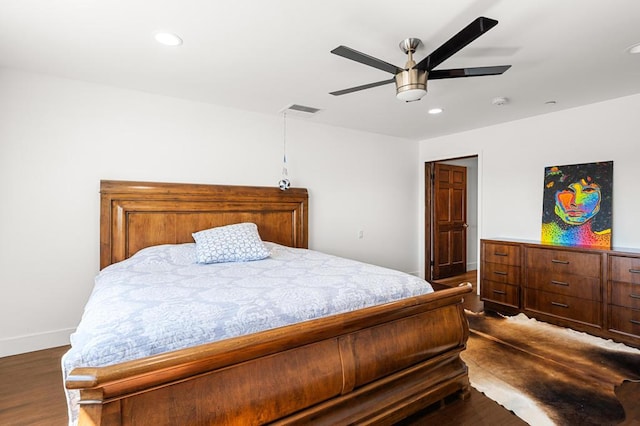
x=500, y=254
x=634, y=296
x=559, y=283
x=499, y=292
x=562, y=305
x=634, y=322
x=564, y=262
x=634, y=271
x=499, y=272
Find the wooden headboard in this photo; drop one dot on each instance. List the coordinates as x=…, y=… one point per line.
x=135, y=215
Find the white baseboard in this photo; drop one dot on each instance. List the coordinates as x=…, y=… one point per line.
x=34, y=342
x=473, y=266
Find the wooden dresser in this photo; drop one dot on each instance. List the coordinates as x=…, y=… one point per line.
x=592, y=290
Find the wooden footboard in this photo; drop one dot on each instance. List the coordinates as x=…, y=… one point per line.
x=375, y=365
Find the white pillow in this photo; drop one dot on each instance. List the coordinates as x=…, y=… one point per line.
x=232, y=243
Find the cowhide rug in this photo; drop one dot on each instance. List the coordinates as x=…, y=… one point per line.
x=549, y=375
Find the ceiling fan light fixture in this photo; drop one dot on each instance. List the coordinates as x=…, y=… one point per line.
x=411, y=85
x=411, y=95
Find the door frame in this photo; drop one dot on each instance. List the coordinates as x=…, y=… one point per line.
x=428, y=211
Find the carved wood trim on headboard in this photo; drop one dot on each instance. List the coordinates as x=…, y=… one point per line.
x=135, y=215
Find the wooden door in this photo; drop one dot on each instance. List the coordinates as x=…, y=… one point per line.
x=449, y=220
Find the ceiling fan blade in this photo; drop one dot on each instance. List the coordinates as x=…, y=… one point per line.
x=364, y=86
x=469, y=33
x=363, y=58
x=467, y=72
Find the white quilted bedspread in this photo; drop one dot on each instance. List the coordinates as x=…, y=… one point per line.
x=160, y=300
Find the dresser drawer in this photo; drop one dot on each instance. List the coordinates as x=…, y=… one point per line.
x=573, y=308
x=503, y=254
x=501, y=273
x=500, y=293
x=625, y=269
x=564, y=261
x=626, y=320
x=625, y=294
x=563, y=283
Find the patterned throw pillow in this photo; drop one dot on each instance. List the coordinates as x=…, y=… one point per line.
x=232, y=243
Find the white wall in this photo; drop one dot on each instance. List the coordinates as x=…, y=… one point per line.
x=59, y=137
x=512, y=157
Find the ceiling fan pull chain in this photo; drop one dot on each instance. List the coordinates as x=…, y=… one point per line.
x=284, y=183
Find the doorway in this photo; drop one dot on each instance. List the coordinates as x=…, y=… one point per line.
x=451, y=217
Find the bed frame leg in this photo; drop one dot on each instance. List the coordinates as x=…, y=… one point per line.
x=465, y=393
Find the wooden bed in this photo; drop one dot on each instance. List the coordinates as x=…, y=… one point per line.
x=372, y=366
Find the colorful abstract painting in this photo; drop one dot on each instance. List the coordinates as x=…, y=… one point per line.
x=576, y=208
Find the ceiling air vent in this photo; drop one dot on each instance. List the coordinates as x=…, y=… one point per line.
x=300, y=110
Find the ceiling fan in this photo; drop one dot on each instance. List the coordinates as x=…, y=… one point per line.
x=411, y=81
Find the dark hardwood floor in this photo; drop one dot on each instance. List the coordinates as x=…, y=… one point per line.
x=31, y=389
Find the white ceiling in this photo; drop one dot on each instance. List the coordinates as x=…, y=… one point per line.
x=264, y=55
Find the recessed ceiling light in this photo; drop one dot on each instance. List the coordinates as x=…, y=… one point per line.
x=168, y=39
x=435, y=110
x=634, y=49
